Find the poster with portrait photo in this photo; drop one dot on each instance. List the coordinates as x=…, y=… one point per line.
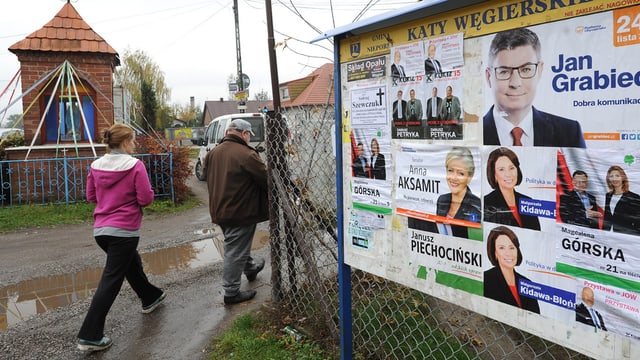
x=371, y=168
x=406, y=110
x=607, y=253
x=607, y=308
x=443, y=55
x=586, y=72
x=603, y=169
x=444, y=108
x=524, y=259
x=438, y=188
x=519, y=187
x=603, y=254
x=406, y=64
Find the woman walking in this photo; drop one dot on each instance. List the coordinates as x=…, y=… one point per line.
x=119, y=185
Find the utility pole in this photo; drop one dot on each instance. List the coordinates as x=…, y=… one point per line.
x=240, y=80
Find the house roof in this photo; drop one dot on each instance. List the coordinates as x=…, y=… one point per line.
x=215, y=108
x=66, y=32
x=314, y=89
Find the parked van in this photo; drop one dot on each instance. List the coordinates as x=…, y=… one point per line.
x=214, y=132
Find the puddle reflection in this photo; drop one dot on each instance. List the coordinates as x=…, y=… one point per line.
x=20, y=301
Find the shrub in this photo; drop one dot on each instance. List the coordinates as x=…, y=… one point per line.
x=181, y=163
x=11, y=140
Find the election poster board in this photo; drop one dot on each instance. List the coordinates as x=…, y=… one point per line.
x=544, y=219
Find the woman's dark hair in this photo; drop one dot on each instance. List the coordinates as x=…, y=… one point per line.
x=491, y=165
x=491, y=243
x=116, y=135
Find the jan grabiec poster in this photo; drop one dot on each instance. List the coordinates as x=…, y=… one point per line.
x=587, y=73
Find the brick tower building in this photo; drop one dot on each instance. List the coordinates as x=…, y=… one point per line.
x=67, y=84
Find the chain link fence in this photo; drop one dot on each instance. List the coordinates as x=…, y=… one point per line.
x=390, y=321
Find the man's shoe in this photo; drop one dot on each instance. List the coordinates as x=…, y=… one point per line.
x=97, y=345
x=258, y=265
x=239, y=297
x=149, y=308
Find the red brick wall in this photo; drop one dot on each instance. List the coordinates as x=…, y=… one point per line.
x=98, y=70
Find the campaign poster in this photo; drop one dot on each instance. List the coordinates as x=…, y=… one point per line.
x=406, y=64
x=455, y=262
x=600, y=245
x=597, y=234
x=523, y=259
x=407, y=90
x=438, y=188
x=580, y=89
x=443, y=55
x=519, y=187
x=444, y=112
x=371, y=168
x=607, y=308
x=426, y=89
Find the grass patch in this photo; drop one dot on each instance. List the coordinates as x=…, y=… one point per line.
x=27, y=216
x=253, y=336
x=399, y=321
x=30, y=216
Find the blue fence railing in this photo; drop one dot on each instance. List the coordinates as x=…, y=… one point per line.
x=63, y=180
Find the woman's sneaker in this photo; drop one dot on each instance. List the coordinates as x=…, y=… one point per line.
x=97, y=345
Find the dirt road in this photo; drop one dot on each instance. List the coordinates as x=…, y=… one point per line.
x=180, y=329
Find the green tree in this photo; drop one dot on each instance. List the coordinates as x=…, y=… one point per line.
x=192, y=115
x=137, y=67
x=149, y=106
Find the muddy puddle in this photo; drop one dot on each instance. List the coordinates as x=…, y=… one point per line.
x=25, y=299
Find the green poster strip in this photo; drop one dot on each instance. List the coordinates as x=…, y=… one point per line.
x=459, y=282
x=375, y=209
x=598, y=277
x=422, y=273
x=474, y=233
x=454, y=281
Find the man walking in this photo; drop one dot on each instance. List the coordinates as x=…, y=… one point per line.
x=237, y=184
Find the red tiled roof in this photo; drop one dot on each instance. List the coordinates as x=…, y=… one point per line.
x=314, y=89
x=66, y=32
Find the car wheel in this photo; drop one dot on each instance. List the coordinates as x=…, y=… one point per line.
x=199, y=174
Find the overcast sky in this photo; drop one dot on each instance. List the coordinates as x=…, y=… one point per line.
x=193, y=41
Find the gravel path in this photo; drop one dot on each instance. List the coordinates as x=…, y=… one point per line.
x=180, y=329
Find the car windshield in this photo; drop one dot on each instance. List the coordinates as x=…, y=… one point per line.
x=257, y=126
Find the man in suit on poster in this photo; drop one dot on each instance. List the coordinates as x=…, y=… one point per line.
x=433, y=104
x=579, y=207
x=397, y=70
x=514, y=70
x=360, y=163
x=586, y=314
x=399, y=109
x=431, y=65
